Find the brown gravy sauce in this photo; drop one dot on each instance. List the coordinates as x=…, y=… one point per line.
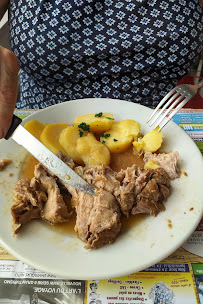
x=118, y=162
x=125, y=159
x=28, y=167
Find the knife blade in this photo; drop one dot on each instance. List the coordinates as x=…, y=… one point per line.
x=48, y=159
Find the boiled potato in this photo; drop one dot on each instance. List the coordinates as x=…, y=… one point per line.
x=116, y=143
x=121, y=135
x=68, y=140
x=151, y=142
x=35, y=127
x=92, y=151
x=151, y=164
x=127, y=127
x=50, y=136
x=98, y=123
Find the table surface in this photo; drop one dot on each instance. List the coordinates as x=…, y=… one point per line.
x=180, y=256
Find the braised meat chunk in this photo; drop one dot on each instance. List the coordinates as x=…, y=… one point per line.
x=101, y=176
x=29, y=204
x=121, y=184
x=125, y=194
x=152, y=189
x=39, y=197
x=142, y=191
x=98, y=218
x=55, y=209
x=168, y=161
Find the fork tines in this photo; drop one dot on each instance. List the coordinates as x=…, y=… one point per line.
x=175, y=96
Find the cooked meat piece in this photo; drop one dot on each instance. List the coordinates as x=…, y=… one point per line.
x=161, y=176
x=150, y=195
x=29, y=204
x=127, y=186
x=22, y=213
x=125, y=194
x=141, y=181
x=55, y=209
x=35, y=184
x=4, y=163
x=98, y=218
x=66, y=159
x=142, y=191
x=38, y=198
x=133, y=190
x=126, y=197
x=121, y=184
x=23, y=191
x=168, y=161
x=101, y=177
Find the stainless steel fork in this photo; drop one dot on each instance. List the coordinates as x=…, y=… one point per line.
x=173, y=102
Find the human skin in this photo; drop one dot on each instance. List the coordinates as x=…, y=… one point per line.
x=8, y=81
x=8, y=88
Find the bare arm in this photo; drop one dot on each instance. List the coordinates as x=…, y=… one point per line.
x=8, y=81
x=3, y=7
x=8, y=88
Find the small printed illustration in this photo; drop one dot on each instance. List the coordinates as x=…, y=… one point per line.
x=161, y=294
x=94, y=296
x=199, y=284
x=96, y=302
x=198, y=274
x=93, y=286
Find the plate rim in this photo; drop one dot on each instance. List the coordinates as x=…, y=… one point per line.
x=20, y=257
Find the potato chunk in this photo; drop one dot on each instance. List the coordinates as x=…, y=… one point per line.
x=151, y=164
x=98, y=123
x=92, y=151
x=121, y=135
x=50, y=136
x=35, y=127
x=68, y=140
x=151, y=142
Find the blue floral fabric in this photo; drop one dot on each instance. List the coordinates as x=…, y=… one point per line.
x=134, y=50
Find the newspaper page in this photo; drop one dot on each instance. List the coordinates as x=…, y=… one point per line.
x=192, y=122
x=162, y=283
x=21, y=284
x=176, y=280
x=198, y=275
x=195, y=242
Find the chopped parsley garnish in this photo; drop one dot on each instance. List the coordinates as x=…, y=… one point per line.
x=103, y=141
x=109, y=118
x=98, y=114
x=80, y=133
x=115, y=139
x=105, y=135
x=84, y=126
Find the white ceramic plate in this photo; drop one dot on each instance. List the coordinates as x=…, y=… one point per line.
x=145, y=244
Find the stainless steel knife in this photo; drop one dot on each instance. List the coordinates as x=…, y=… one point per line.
x=48, y=159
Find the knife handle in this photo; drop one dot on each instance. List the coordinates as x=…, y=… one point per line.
x=14, y=124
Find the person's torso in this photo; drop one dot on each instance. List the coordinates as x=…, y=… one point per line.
x=58, y=42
